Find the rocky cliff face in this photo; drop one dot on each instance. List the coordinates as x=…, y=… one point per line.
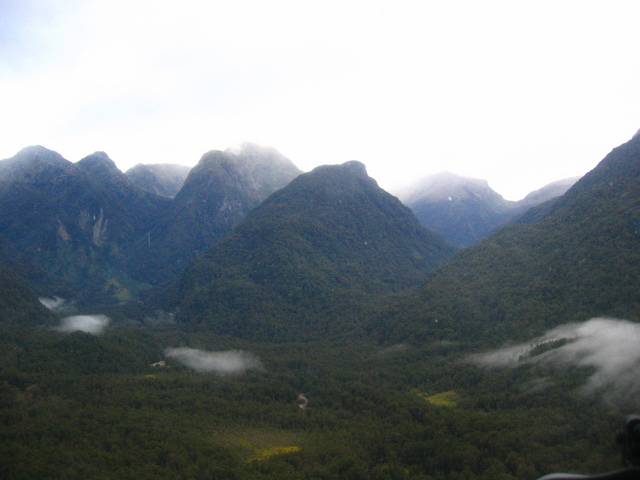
x=80, y=222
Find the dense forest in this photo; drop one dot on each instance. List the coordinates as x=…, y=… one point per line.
x=120, y=405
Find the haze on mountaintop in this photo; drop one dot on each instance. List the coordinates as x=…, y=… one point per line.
x=518, y=94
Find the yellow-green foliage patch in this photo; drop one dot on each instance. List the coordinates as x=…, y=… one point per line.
x=260, y=444
x=121, y=292
x=444, y=399
x=264, y=453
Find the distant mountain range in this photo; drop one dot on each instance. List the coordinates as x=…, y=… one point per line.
x=569, y=259
x=87, y=231
x=466, y=210
x=250, y=246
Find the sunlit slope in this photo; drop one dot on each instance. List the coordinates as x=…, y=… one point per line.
x=311, y=260
x=567, y=260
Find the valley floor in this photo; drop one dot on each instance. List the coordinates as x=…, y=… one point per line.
x=81, y=406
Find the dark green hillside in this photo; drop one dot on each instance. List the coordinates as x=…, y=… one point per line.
x=311, y=260
x=77, y=222
x=569, y=260
x=18, y=304
x=134, y=210
x=217, y=194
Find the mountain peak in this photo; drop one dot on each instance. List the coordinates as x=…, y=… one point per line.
x=98, y=161
x=37, y=150
x=165, y=179
x=448, y=186
x=215, y=196
x=343, y=172
x=568, y=260
x=552, y=190
x=311, y=251
x=36, y=160
x=356, y=167
x=40, y=154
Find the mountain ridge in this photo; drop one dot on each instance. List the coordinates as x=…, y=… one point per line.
x=466, y=210
x=162, y=179
x=567, y=260
x=216, y=195
x=313, y=253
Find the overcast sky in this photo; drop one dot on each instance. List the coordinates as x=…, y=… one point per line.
x=520, y=93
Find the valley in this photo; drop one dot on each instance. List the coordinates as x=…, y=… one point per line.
x=171, y=335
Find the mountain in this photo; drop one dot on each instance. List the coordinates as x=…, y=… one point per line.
x=462, y=210
x=567, y=260
x=548, y=192
x=218, y=193
x=466, y=210
x=310, y=261
x=163, y=179
x=19, y=304
x=80, y=223
x=86, y=230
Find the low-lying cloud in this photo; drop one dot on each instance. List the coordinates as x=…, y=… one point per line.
x=226, y=363
x=610, y=346
x=53, y=303
x=94, y=324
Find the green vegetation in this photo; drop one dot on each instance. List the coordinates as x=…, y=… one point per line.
x=444, y=399
x=303, y=290
x=79, y=406
x=313, y=260
x=569, y=260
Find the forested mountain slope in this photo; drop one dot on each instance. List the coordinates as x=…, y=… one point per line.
x=217, y=194
x=18, y=304
x=311, y=260
x=100, y=239
x=78, y=222
x=567, y=260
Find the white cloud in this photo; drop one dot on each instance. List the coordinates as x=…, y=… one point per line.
x=225, y=363
x=54, y=304
x=609, y=346
x=94, y=324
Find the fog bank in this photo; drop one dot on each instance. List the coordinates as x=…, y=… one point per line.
x=94, y=324
x=610, y=346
